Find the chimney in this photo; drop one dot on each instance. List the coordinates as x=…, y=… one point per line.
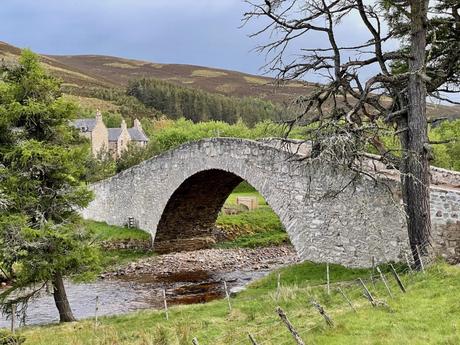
x=138, y=125
x=98, y=116
x=123, y=125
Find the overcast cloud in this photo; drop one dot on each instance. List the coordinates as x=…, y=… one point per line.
x=200, y=32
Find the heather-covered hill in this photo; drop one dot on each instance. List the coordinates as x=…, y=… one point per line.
x=81, y=73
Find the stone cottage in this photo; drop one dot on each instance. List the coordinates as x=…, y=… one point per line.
x=111, y=140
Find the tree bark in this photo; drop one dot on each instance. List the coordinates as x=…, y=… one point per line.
x=61, y=301
x=415, y=173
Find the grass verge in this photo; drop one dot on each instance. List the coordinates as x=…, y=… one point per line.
x=105, y=232
x=429, y=313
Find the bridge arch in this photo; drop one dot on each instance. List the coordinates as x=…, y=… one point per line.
x=192, y=209
x=188, y=186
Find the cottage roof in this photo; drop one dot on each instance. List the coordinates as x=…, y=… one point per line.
x=137, y=135
x=85, y=125
x=114, y=133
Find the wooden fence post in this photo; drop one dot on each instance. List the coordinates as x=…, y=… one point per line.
x=323, y=313
x=252, y=339
x=13, y=318
x=382, y=276
x=419, y=255
x=328, y=279
x=408, y=263
x=165, y=305
x=346, y=299
x=278, y=286
x=367, y=293
x=289, y=326
x=373, y=270
x=227, y=296
x=395, y=274
x=96, y=310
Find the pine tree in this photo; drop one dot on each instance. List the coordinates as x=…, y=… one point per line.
x=41, y=166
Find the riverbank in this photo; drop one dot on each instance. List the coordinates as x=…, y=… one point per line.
x=428, y=313
x=186, y=278
x=209, y=260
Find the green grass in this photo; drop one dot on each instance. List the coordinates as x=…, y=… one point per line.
x=429, y=313
x=105, y=232
x=110, y=233
x=257, y=228
x=260, y=239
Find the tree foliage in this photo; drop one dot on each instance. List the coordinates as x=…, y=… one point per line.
x=197, y=105
x=42, y=163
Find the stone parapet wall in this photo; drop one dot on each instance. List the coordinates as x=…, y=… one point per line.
x=445, y=177
x=439, y=176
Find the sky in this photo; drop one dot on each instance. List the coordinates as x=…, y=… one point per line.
x=200, y=32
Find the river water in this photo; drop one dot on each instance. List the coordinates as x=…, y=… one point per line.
x=120, y=295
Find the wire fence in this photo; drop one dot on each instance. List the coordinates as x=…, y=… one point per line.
x=307, y=308
x=323, y=304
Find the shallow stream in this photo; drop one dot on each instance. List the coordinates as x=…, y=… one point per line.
x=124, y=294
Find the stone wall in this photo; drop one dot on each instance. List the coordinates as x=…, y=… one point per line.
x=327, y=216
x=445, y=217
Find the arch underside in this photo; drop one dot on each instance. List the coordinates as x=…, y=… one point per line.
x=189, y=217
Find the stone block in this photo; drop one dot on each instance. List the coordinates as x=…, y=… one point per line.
x=250, y=202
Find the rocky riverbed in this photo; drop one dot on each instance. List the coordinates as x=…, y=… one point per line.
x=185, y=277
x=209, y=260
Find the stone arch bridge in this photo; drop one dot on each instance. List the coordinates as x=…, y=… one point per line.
x=178, y=195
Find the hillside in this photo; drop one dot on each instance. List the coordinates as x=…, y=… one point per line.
x=82, y=72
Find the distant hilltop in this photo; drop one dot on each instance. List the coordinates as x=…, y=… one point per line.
x=80, y=72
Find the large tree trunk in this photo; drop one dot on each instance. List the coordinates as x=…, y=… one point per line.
x=60, y=298
x=415, y=173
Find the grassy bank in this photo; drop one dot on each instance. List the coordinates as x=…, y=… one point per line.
x=257, y=228
x=111, y=233
x=429, y=313
x=104, y=232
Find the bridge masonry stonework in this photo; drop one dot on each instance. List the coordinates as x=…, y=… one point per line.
x=178, y=195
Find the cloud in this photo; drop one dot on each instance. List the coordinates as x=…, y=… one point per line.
x=201, y=32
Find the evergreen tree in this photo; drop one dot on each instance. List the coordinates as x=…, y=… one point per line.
x=41, y=166
x=197, y=105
